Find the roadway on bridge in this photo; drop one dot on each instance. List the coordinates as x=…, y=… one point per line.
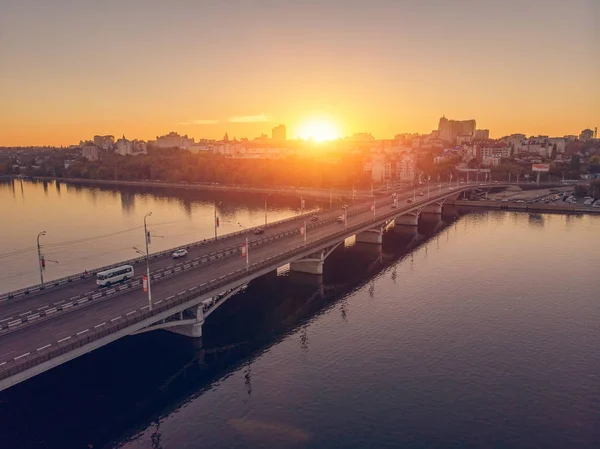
x=42, y=333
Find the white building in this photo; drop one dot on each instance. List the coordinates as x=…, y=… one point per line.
x=497, y=151
x=139, y=147
x=90, y=152
x=560, y=142
x=104, y=142
x=406, y=168
x=124, y=147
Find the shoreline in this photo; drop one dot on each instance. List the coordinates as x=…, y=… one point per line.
x=289, y=191
x=525, y=207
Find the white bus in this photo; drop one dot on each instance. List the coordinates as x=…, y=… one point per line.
x=114, y=275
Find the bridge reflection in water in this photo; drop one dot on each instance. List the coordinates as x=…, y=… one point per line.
x=136, y=379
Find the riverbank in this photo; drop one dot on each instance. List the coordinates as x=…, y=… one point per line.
x=289, y=191
x=529, y=207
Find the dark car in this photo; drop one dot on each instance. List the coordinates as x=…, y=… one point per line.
x=259, y=231
x=314, y=218
x=409, y=200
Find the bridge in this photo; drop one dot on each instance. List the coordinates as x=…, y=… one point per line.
x=69, y=317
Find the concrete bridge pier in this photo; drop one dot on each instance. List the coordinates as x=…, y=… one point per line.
x=190, y=327
x=408, y=220
x=374, y=235
x=312, y=264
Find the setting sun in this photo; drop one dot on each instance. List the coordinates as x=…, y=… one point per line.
x=319, y=130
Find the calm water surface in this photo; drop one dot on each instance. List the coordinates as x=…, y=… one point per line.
x=480, y=331
x=89, y=226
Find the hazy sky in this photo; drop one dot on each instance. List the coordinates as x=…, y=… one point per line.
x=70, y=69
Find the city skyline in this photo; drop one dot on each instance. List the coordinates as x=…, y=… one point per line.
x=239, y=68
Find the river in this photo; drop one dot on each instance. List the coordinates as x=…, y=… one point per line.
x=481, y=330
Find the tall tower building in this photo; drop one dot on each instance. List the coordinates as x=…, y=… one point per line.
x=279, y=133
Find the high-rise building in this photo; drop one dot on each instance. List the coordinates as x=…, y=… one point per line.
x=586, y=134
x=482, y=134
x=124, y=147
x=104, y=142
x=279, y=133
x=449, y=130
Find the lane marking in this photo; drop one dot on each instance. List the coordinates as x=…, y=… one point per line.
x=82, y=332
x=44, y=347
x=99, y=325
x=22, y=355
x=130, y=313
x=117, y=318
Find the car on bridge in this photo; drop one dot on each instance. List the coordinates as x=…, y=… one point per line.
x=340, y=219
x=420, y=193
x=258, y=231
x=409, y=200
x=314, y=218
x=180, y=253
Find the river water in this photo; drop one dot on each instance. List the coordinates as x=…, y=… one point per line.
x=479, y=331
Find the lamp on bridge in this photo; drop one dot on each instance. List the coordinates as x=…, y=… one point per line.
x=146, y=255
x=41, y=261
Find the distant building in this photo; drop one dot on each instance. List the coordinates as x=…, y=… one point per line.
x=279, y=133
x=104, y=142
x=490, y=160
x=449, y=130
x=139, y=147
x=90, y=151
x=406, y=168
x=482, y=134
x=124, y=147
x=586, y=134
x=173, y=140
x=494, y=151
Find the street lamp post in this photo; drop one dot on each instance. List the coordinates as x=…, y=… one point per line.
x=147, y=239
x=246, y=246
x=266, y=197
x=217, y=218
x=40, y=260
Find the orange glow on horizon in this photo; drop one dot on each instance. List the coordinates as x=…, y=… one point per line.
x=319, y=130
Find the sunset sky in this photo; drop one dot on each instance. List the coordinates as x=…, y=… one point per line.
x=74, y=68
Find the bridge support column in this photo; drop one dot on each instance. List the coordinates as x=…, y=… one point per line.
x=312, y=264
x=374, y=235
x=435, y=208
x=406, y=220
x=193, y=329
